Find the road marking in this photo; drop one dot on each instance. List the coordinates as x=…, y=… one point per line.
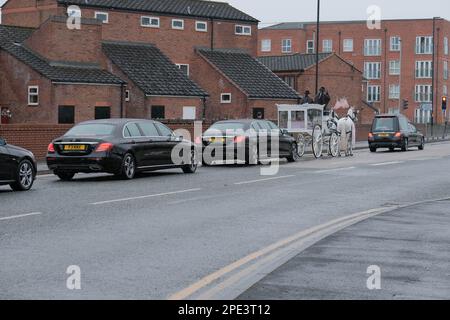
x=145, y=197
x=21, y=216
x=335, y=170
x=263, y=180
x=204, y=282
x=386, y=163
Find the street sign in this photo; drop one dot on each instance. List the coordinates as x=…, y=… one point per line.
x=426, y=107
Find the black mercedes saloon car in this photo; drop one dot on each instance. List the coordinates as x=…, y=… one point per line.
x=391, y=131
x=241, y=141
x=122, y=147
x=17, y=167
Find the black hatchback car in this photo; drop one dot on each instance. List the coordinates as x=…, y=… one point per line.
x=394, y=131
x=122, y=147
x=240, y=141
x=17, y=167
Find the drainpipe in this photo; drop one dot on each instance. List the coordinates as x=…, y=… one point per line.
x=204, y=108
x=212, y=34
x=340, y=41
x=122, y=87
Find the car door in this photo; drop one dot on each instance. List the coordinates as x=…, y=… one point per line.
x=414, y=137
x=135, y=142
x=284, y=140
x=168, y=142
x=6, y=164
x=153, y=153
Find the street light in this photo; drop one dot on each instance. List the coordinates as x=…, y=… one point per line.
x=400, y=78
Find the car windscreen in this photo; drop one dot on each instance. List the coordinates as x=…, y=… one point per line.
x=225, y=126
x=384, y=124
x=91, y=130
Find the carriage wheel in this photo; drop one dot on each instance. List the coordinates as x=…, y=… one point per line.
x=301, y=145
x=334, y=145
x=317, y=141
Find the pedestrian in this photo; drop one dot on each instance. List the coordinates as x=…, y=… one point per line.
x=307, y=98
x=323, y=98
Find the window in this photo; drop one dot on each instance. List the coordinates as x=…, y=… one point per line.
x=393, y=111
x=422, y=116
x=445, y=70
x=445, y=90
x=102, y=113
x=131, y=130
x=258, y=113
x=373, y=93
x=225, y=98
x=446, y=46
x=424, y=69
x=178, y=24
x=423, y=93
x=149, y=129
x=102, y=16
x=290, y=80
x=286, y=46
x=372, y=47
x=158, y=112
x=201, y=26
x=424, y=45
x=243, y=30
x=150, y=22
x=266, y=45
x=372, y=70
x=395, y=43
x=327, y=45
x=66, y=114
x=310, y=46
x=127, y=95
x=33, y=95
x=394, y=91
x=163, y=130
x=348, y=45
x=184, y=68
x=189, y=113
x=394, y=67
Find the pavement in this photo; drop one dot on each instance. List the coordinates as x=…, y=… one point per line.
x=223, y=230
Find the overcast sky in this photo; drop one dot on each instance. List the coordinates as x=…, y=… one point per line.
x=275, y=11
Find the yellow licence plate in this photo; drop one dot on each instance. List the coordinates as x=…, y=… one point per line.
x=384, y=135
x=213, y=140
x=75, y=147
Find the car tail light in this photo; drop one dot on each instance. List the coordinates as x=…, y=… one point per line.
x=370, y=135
x=51, y=148
x=239, y=139
x=398, y=134
x=198, y=140
x=104, y=147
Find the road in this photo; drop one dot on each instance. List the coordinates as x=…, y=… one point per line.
x=209, y=235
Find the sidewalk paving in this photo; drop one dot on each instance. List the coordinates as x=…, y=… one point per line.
x=410, y=246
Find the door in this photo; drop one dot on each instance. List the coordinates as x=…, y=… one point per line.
x=135, y=142
x=169, y=141
x=6, y=165
x=414, y=137
x=102, y=113
x=154, y=145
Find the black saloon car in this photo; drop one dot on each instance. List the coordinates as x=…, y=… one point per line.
x=17, y=167
x=394, y=131
x=122, y=147
x=240, y=141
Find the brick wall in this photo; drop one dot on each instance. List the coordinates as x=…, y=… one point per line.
x=28, y=13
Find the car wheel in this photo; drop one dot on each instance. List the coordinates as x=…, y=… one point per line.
x=24, y=176
x=65, y=176
x=294, y=156
x=422, y=145
x=128, y=168
x=192, y=167
x=391, y=149
x=405, y=146
x=373, y=149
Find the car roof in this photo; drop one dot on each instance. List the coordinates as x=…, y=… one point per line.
x=244, y=121
x=387, y=115
x=115, y=121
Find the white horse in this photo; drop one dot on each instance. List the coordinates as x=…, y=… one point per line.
x=346, y=127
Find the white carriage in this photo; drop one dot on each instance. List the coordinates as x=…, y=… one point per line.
x=311, y=127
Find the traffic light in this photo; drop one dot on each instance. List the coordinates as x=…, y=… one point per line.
x=444, y=103
x=405, y=104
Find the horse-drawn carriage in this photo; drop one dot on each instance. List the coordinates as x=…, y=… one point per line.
x=311, y=126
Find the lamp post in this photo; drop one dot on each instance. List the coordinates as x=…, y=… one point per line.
x=317, y=46
x=400, y=105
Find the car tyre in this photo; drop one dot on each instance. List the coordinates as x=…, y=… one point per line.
x=422, y=145
x=391, y=149
x=373, y=149
x=65, y=176
x=128, y=167
x=405, y=146
x=25, y=176
x=192, y=167
x=294, y=156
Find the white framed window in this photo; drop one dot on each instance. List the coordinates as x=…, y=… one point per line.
x=394, y=67
x=310, y=46
x=446, y=46
x=243, y=30
x=225, y=98
x=445, y=90
x=422, y=116
x=127, y=95
x=266, y=45
x=201, y=26
x=150, y=22
x=189, y=113
x=178, y=24
x=423, y=93
x=372, y=70
x=327, y=45
x=394, y=91
x=445, y=70
x=424, y=69
x=373, y=93
x=372, y=47
x=33, y=95
x=286, y=45
x=183, y=67
x=395, y=43
x=424, y=45
x=394, y=111
x=102, y=16
x=348, y=45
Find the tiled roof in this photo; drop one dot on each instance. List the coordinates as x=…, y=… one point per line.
x=251, y=76
x=194, y=8
x=295, y=62
x=11, y=40
x=151, y=70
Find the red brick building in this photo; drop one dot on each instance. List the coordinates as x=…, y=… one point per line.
x=378, y=53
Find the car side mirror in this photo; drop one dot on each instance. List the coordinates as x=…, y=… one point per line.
x=284, y=132
x=2, y=142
